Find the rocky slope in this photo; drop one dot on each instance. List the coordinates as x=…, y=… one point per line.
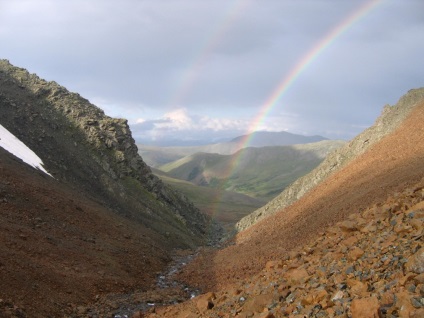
x=389, y=166
x=59, y=248
x=102, y=224
x=370, y=265
x=390, y=119
x=94, y=153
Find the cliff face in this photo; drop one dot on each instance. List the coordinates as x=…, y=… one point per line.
x=390, y=119
x=94, y=154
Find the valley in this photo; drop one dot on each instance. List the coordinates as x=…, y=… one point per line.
x=318, y=228
x=231, y=187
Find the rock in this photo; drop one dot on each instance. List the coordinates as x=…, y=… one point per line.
x=296, y=276
x=258, y=303
x=419, y=313
x=204, y=302
x=416, y=262
x=365, y=308
x=273, y=265
x=403, y=304
x=419, y=278
x=348, y=226
x=338, y=295
x=355, y=253
x=357, y=288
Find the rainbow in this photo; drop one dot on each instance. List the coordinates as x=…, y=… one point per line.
x=304, y=62
x=291, y=77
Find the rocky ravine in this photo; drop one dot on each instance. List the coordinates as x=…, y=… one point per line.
x=390, y=119
x=391, y=165
x=104, y=225
x=370, y=265
x=95, y=154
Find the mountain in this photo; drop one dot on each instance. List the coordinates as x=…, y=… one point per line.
x=103, y=217
x=282, y=138
x=157, y=156
x=351, y=246
x=390, y=119
x=257, y=172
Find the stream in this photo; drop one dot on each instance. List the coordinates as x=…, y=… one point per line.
x=167, y=292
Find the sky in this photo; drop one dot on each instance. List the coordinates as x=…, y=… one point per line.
x=207, y=70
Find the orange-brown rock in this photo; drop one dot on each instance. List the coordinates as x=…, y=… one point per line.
x=416, y=262
x=205, y=302
x=365, y=308
x=258, y=303
x=296, y=276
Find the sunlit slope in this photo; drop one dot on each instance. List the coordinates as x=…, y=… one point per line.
x=374, y=175
x=256, y=172
x=390, y=119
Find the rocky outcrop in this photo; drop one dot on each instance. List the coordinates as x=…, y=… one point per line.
x=389, y=120
x=94, y=153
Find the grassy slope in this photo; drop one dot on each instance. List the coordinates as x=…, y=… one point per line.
x=225, y=206
x=256, y=172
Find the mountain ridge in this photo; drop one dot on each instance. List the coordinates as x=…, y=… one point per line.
x=97, y=153
x=157, y=156
x=392, y=164
x=388, y=121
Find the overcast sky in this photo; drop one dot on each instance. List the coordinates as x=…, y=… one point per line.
x=204, y=69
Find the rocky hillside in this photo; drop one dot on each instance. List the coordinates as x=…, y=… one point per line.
x=388, y=167
x=95, y=154
x=353, y=247
x=370, y=265
x=389, y=120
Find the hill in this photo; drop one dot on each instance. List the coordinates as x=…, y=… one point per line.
x=158, y=156
x=373, y=259
x=226, y=207
x=257, y=172
x=351, y=247
x=103, y=223
x=390, y=119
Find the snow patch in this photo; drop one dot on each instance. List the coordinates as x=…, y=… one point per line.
x=12, y=144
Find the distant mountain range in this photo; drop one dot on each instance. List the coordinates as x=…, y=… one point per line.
x=270, y=138
x=156, y=156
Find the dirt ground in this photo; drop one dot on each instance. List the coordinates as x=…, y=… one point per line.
x=59, y=249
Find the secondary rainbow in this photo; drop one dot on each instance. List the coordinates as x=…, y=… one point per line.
x=211, y=41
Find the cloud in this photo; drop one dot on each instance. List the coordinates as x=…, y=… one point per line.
x=215, y=63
